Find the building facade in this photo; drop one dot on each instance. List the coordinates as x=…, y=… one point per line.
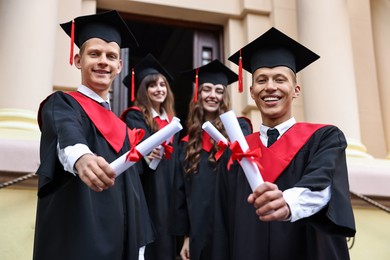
x=349, y=86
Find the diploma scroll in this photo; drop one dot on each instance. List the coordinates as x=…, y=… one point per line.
x=213, y=132
x=145, y=147
x=155, y=162
x=233, y=130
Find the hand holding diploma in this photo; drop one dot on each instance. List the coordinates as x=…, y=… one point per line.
x=233, y=130
x=155, y=162
x=145, y=147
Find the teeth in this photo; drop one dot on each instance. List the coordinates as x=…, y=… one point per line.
x=271, y=99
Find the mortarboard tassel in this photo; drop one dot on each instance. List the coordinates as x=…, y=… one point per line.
x=240, y=85
x=132, y=85
x=71, y=43
x=196, y=85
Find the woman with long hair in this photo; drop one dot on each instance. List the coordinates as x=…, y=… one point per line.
x=196, y=177
x=153, y=109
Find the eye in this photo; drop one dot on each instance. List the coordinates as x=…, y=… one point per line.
x=261, y=81
x=280, y=80
x=206, y=89
x=220, y=91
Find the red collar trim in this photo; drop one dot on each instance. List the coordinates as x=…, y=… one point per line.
x=276, y=158
x=206, y=141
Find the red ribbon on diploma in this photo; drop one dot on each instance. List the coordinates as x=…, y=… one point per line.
x=238, y=154
x=168, y=150
x=135, y=136
x=222, y=147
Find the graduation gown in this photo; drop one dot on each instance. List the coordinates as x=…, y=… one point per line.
x=157, y=185
x=304, y=156
x=73, y=221
x=197, y=213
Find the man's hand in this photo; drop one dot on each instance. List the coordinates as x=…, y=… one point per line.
x=269, y=203
x=185, y=250
x=95, y=171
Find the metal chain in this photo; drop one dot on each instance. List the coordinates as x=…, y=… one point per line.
x=14, y=181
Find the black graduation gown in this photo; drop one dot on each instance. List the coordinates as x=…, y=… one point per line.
x=320, y=162
x=157, y=185
x=197, y=213
x=73, y=221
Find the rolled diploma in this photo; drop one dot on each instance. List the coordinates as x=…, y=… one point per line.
x=213, y=132
x=233, y=130
x=146, y=146
x=155, y=162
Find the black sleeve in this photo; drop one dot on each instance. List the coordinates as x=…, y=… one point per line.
x=245, y=125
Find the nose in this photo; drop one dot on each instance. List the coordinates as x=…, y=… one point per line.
x=213, y=93
x=270, y=85
x=103, y=59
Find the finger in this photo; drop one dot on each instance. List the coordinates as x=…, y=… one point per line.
x=280, y=214
x=84, y=176
x=106, y=168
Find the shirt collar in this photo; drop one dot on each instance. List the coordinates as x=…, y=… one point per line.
x=163, y=115
x=282, y=128
x=91, y=94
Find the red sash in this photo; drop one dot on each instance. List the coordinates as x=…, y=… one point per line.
x=276, y=158
x=109, y=125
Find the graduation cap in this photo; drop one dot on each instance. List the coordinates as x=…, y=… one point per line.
x=108, y=26
x=147, y=66
x=272, y=49
x=214, y=72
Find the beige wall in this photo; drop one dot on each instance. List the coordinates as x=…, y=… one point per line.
x=17, y=223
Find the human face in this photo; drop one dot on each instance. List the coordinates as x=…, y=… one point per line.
x=211, y=97
x=157, y=93
x=273, y=90
x=99, y=62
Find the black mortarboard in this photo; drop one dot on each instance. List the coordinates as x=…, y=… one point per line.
x=148, y=65
x=108, y=26
x=214, y=72
x=272, y=49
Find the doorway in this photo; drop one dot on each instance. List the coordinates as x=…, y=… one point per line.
x=178, y=45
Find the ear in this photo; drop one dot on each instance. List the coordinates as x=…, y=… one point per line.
x=120, y=66
x=77, y=61
x=251, y=91
x=297, y=91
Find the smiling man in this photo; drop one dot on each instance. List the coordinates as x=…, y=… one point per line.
x=302, y=210
x=83, y=211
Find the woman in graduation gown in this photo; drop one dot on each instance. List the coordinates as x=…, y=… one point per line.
x=197, y=172
x=153, y=109
x=302, y=210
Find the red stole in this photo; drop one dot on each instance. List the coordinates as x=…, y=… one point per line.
x=276, y=158
x=109, y=125
x=206, y=141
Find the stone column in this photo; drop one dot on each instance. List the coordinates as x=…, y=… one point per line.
x=381, y=20
x=328, y=85
x=27, y=51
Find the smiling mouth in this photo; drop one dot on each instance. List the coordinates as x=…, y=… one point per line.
x=101, y=72
x=271, y=99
